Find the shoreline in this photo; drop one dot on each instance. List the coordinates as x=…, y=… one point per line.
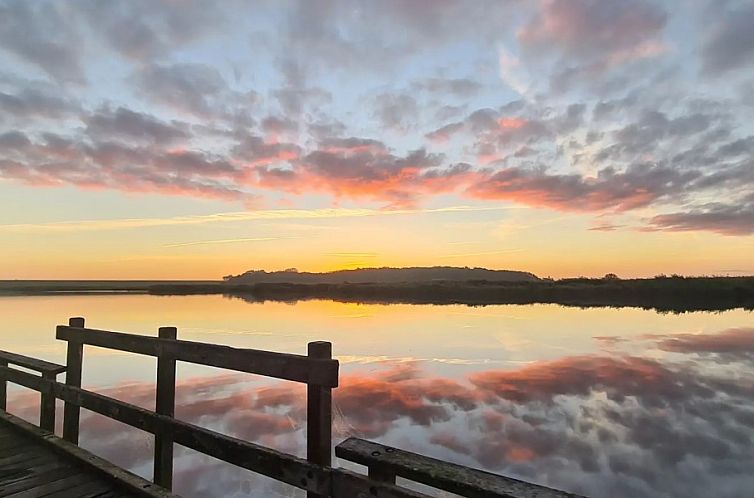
x=665, y=294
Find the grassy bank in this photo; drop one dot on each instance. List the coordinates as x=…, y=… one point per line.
x=675, y=294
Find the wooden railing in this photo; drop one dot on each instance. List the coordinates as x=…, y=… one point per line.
x=385, y=463
x=317, y=369
x=48, y=370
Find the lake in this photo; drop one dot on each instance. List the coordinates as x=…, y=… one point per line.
x=599, y=401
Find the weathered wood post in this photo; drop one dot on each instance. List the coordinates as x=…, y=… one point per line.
x=165, y=405
x=3, y=388
x=74, y=362
x=47, y=405
x=381, y=473
x=319, y=414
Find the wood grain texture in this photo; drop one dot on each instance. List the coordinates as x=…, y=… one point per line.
x=285, y=366
x=447, y=476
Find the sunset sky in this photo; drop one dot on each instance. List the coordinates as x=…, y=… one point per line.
x=187, y=139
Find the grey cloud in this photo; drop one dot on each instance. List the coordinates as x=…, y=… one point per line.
x=592, y=28
x=293, y=100
x=730, y=42
x=279, y=124
x=42, y=34
x=123, y=123
x=326, y=128
x=458, y=87
x=725, y=219
x=14, y=140
x=395, y=110
x=640, y=185
x=185, y=87
x=737, y=148
x=254, y=150
x=35, y=102
x=145, y=29
x=444, y=133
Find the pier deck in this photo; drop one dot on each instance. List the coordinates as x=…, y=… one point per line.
x=34, y=463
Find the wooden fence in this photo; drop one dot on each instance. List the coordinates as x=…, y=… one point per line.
x=318, y=370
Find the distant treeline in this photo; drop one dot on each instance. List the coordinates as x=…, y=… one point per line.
x=676, y=294
x=385, y=275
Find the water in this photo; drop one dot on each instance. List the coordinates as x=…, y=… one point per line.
x=603, y=402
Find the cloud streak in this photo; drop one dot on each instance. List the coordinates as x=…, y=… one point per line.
x=240, y=216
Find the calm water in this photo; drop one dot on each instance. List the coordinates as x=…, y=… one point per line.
x=604, y=402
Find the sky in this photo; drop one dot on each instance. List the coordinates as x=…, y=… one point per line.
x=190, y=140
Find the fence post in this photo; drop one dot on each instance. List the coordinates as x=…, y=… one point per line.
x=319, y=414
x=47, y=406
x=74, y=360
x=3, y=389
x=165, y=405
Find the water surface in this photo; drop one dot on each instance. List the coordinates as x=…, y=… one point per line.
x=599, y=401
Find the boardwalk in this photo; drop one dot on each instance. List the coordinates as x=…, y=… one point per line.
x=34, y=464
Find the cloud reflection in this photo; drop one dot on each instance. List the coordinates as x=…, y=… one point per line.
x=601, y=425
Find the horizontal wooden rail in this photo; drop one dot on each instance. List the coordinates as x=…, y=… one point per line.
x=337, y=483
x=48, y=370
x=299, y=368
x=347, y=484
x=31, y=363
x=387, y=461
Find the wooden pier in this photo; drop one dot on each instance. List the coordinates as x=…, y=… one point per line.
x=36, y=463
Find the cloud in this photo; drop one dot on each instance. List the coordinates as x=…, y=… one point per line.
x=184, y=87
x=143, y=29
x=365, y=169
x=254, y=150
x=57, y=161
x=729, y=42
x=395, y=110
x=269, y=215
x=457, y=87
x=618, y=378
x=725, y=219
x=639, y=186
x=737, y=344
x=223, y=241
x=588, y=29
x=592, y=424
x=34, y=102
x=127, y=124
x=41, y=34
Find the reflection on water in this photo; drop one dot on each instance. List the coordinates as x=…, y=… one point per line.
x=600, y=402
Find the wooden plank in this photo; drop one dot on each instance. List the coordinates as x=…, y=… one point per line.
x=319, y=414
x=447, y=476
x=86, y=489
x=74, y=362
x=31, y=363
x=47, y=487
x=347, y=484
x=25, y=461
x=285, y=366
x=126, y=481
x=37, y=480
x=165, y=405
x=26, y=379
